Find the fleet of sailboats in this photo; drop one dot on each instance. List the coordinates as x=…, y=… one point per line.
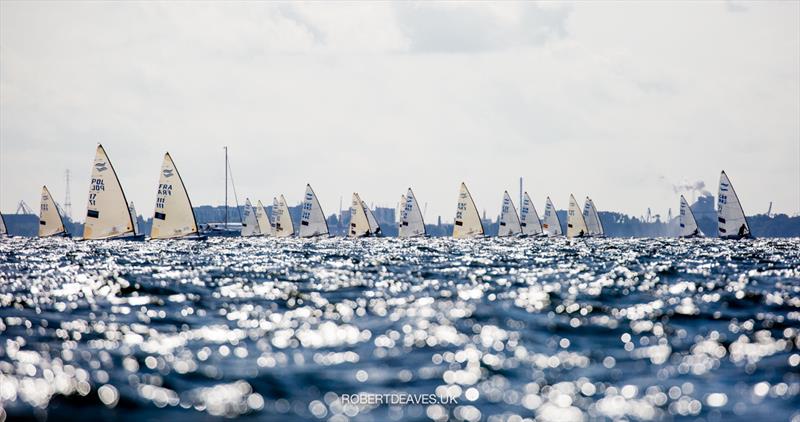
x=110, y=216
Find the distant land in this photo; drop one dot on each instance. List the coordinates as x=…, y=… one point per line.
x=615, y=224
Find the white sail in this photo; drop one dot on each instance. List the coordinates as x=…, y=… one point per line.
x=174, y=216
x=398, y=214
x=688, y=225
x=264, y=225
x=528, y=217
x=551, y=224
x=576, y=224
x=312, y=219
x=509, y=221
x=359, y=222
x=411, y=222
x=249, y=221
x=134, y=219
x=107, y=214
x=282, y=225
x=374, y=227
x=468, y=221
x=730, y=215
x=50, y=221
x=3, y=229
x=592, y=218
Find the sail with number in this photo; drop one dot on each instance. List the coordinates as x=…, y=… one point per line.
x=730, y=215
x=411, y=222
x=282, y=225
x=592, y=218
x=576, y=224
x=134, y=218
x=3, y=229
x=249, y=221
x=51, y=223
x=398, y=213
x=312, y=219
x=687, y=222
x=529, y=218
x=107, y=214
x=467, y=222
x=374, y=227
x=359, y=223
x=264, y=225
x=551, y=224
x=174, y=216
x=509, y=221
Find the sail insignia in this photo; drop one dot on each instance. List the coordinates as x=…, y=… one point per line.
x=686, y=221
x=576, y=224
x=592, y=219
x=249, y=221
x=551, y=224
x=359, y=222
x=262, y=218
x=282, y=225
x=51, y=222
x=732, y=223
x=528, y=217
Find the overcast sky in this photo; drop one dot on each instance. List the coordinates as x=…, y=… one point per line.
x=623, y=101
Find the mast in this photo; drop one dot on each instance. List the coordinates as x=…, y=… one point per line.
x=226, y=186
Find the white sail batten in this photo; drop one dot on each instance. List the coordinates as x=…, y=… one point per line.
x=264, y=225
x=528, y=217
x=50, y=221
x=687, y=222
x=249, y=223
x=282, y=225
x=551, y=224
x=107, y=213
x=134, y=219
x=467, y=222
x=592, y=218
x=411, y=222
x=732, y=223
x=174, y=216
x=576, y=224
x=359, y=223
x=312, y=219
x=374, y=227
x=509, y=221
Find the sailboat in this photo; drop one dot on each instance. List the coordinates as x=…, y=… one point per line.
x=249, y=223
x=3, y=228
x=551, y=224
x=374, y=227
x=359, y=222
x=282, y=225
x=411, y=222
x=135, y=219
x=174, y=216
x=264, y=225
x=312, y=219
x=509, y=221
x=730, y=215
x=467, y=222
x=688, y=224
x=107, y=213
x=576, y=224
x=592, y=219
x=529, y=218
x=51, y=222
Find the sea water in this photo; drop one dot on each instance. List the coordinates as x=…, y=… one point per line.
x=334, y=329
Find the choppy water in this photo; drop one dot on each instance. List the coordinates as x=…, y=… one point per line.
x=550, y=329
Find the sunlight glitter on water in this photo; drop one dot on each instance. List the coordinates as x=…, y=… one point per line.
x=513, y=329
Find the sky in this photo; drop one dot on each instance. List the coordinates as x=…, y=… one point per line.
x=629, y=103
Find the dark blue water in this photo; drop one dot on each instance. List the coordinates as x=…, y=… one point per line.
x=498, y=329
